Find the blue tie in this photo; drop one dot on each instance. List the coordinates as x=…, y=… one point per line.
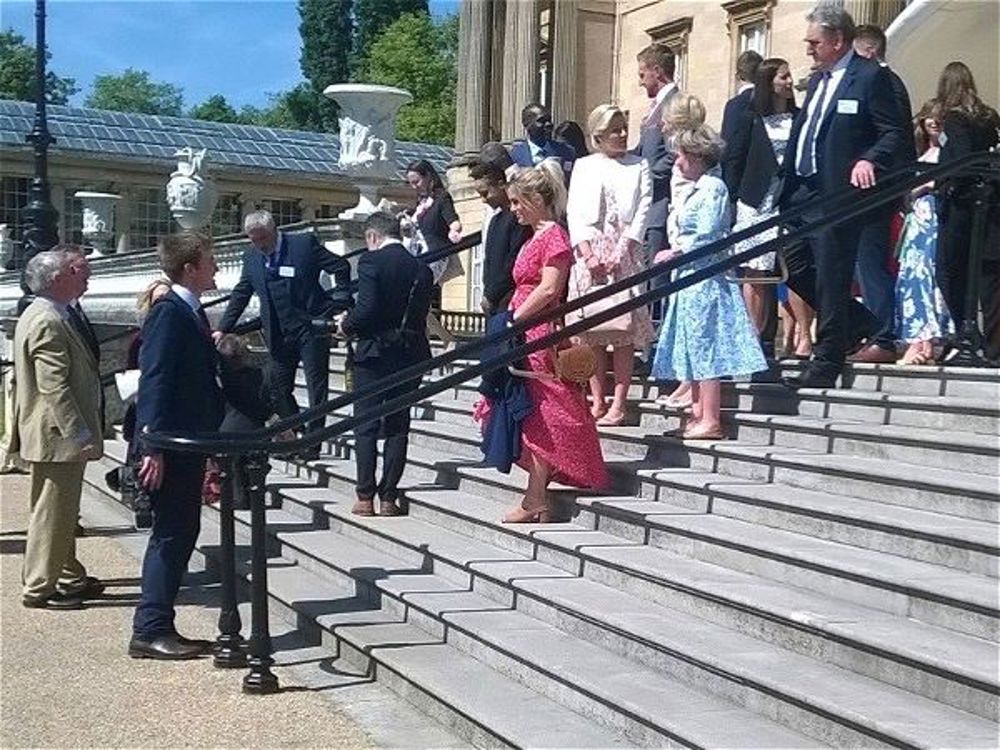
x=806, y=166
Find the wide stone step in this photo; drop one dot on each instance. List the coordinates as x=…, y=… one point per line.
x=430, y=545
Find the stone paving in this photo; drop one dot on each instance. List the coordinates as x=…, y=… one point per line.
x=65, y=680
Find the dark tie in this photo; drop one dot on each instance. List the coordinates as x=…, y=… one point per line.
x=204, y=320
x=82, y=326
x=806, y=166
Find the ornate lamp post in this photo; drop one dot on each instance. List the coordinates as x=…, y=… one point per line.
x=40, y=232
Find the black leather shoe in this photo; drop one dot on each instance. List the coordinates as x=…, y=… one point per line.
x=58, y=600
x=198, y=642
x=91, y=588
x=809, y=379
x=165, y=647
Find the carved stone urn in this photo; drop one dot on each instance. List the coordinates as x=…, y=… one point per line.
x=98, y=212
x=367, y=138
x=191, y=194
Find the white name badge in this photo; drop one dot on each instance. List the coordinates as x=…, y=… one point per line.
x=847, y=106
x=287, y=272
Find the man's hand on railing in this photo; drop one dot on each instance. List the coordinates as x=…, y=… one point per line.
x=664, y=255
x=151, y=471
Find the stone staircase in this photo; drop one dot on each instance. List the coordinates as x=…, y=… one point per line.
x=826, y=577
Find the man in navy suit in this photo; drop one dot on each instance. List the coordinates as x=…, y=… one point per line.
x=390, y=324
x=539, y=145
x=746, y=69
x=282, y=269
x=178, y=392
x=848, y=132
x=878, y=285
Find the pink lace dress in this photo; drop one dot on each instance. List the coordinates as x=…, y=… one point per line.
x=560, y=430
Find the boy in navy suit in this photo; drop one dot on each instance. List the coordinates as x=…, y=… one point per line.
x=178, y=392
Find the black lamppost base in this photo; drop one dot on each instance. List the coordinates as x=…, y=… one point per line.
x=229, y=653
x=260, y=680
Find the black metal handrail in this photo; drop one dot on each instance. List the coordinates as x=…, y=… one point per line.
x=840, y=208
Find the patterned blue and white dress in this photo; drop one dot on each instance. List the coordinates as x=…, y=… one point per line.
x=707, y=333
x=921, y=312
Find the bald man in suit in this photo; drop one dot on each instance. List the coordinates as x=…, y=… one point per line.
x=58, y=422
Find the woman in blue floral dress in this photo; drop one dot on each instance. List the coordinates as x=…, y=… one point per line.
x=707, y=333
x=921, y=313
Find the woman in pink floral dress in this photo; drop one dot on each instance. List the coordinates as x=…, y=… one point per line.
x=558, y=439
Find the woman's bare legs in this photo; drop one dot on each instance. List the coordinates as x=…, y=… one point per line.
x=707, y=410
x=757, y=298
x=535, y=506
x=597, y=383
x=623, y=362
x=803, y=324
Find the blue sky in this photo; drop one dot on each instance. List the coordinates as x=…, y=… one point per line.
x=243, y=49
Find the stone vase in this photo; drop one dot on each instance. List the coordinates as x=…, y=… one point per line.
x=98, y=220
x=191, y=194
x=367, y=138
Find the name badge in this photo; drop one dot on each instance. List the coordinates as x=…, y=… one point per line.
x=847, y=106
x=286, y=272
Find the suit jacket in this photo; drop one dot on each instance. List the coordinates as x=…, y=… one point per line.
x=385, y=277
x=178, y=389
x=653, y=147
x=873, y=133
x=520, y=153
x=749, y=163
x=288, y=303
x=57, y=406
x=732, y=119
x=907, y=153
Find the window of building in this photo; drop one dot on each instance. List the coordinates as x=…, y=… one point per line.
x=227, y=217
x=151, y=218
x=749, y=29
x=328, y=211
x=674, y=34
x=284, y=210
x=13, y=199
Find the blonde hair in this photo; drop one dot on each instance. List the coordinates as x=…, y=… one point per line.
x=599, y=120
x=145, y=299
x=685, y=112
x=541, y=185
x=702, y=142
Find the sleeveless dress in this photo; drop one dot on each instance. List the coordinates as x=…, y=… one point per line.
x=560, y=430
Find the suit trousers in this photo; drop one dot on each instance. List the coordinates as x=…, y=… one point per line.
x=50, y=551
x=395, y=428
x=820, y=271
x=314, y=354
x=878, y=287
x=656, y=240
x=176, y=523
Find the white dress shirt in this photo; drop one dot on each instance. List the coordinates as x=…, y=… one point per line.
x=836, y=76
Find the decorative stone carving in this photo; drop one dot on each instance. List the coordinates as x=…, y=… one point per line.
x=6, y=247
x=97, y=220
x=367, y=138
x=191, y=194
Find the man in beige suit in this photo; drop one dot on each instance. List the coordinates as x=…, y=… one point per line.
x=58, y=427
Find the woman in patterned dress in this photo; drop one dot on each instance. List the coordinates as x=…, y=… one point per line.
x=558, y=439
x=921, y=313
x=707, y=333
x=609, y=198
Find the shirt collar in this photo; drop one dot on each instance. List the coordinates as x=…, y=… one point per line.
x=388, y=241
x=664, y=93
x=189, y=297
x=744, y=86
x=60, y=307
x=842, y=63
x=534, y=147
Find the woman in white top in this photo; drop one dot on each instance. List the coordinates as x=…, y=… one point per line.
x=609, y=197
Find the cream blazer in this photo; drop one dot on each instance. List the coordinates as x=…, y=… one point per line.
x=57, y=406
x=626, y=179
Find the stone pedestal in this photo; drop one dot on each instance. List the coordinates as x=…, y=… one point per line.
x=98, y=220
x=367, y=138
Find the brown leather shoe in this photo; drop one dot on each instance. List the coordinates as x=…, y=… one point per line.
x=388, y=508
x=363, y=507
x=874, y=354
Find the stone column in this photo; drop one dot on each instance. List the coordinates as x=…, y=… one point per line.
x=123, y=219
x=562, y=60
x=474, y=62
x=520, y=65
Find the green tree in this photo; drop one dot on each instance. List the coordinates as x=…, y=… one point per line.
x=17, y=73
x=371, y=18
x=326, y=31
x=292, y=110
x=418, y=54
x=216, y=109
x=133, y=91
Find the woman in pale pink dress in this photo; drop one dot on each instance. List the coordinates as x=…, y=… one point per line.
x=558, y=439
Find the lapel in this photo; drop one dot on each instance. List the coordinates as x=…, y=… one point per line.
x=75, y=339
x=842, y=88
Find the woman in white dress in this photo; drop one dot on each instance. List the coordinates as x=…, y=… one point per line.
x=609, y=197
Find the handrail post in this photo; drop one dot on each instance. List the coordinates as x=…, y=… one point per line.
x=970, y=338
x=260, y=680
x=229, y=644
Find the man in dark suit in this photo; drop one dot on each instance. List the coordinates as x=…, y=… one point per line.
x=878, y=286
x=537, y=122
x=282, y=269
x=746, y=68
x=178, y=392
x=848, y=131
x=389, y=323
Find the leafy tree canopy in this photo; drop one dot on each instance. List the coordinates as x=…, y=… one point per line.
x=326, y=32
x=371, y=18
x=133, y=91
x=17, y=73
x=418, y=54
x=216, y=109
